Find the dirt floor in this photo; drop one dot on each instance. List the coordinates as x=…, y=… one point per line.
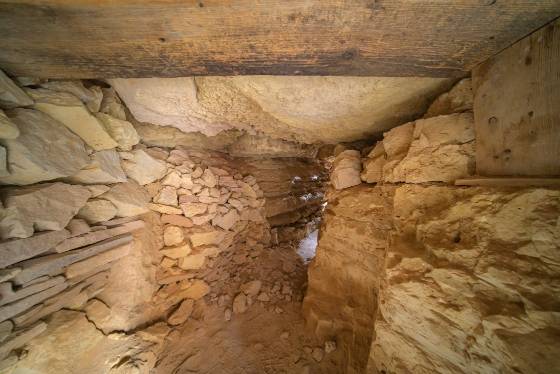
x=268, y=338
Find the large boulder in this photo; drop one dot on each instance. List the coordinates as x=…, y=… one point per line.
x=44, y=150
x=304, y=109
x=129, y=198
x=69, y=110
x=11, y=96
x=42, y=207
x=143, y=168
x=104, y=168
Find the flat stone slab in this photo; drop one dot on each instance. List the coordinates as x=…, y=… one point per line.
x=54, y=264
x=17, y=250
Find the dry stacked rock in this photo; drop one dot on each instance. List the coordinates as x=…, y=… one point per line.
x=294, y=190
x=60, y=240
x=207, y=206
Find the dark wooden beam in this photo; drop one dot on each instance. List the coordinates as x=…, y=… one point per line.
x=167, y=38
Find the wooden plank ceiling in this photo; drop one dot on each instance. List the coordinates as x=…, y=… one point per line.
x=168, y=38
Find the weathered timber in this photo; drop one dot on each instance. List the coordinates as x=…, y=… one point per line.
x=170, y=38
x=517, y=108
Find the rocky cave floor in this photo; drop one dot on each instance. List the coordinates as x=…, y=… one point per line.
x=261, y=336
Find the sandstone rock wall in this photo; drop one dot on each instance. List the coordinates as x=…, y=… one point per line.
x=437, y=278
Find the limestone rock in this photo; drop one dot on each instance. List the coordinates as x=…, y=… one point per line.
x=17, y=250
x=442, y=150
x=373, y=169
x=98, y=189
x=90, y=97
x=167, y=196
x=11, y=96
x=347, y=168
x=197, y=290
x=43, y=207
x=318, y=354
x=397, y=141
x=77, y=227
x=192, y=262
x=193, y=209
x=122, y=131
x=41, y=150
x=105, y=168
x=3, y=163
x=69, y=110
x=111, y=104
x=240, y=304
x=207, y=238
x=459, y=99
x=173, y=235
x=263, y=146
x=164, y=209
x=172, y=179
x=97, y=210
x=305, y=109
x=129, y=198
x=251, y=288
x=226, y=221
x=143, y=168
x=176, y=220
x=182, y=313
x=8, y=129
x=208, y=178
x=177, y=252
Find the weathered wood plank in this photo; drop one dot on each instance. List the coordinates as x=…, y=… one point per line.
x=509, y=182
x=517, y=108
x=169, y=38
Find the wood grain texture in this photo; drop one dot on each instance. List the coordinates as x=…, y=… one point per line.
x=517, y=108
x=169, y=38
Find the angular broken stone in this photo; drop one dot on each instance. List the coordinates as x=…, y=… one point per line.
x=129, y=198
x=226, y=221
x=11, y=96
x=193, y=209
x=9, y=295
x=91, y=97
x=8, y=129
x=177, y=252
x=97, y=210
x=122, y=131
x=98, y=189
x=459, y=99
x=173, y=235
x=197, y=290
x=20, y=338
x=176, y=220
x=69, y=110
x=182, y=313
x=192, y=261
x=208, y=178
x=207, y=238
x=251, y=288
x=172, y=179
x=167, y=196
x=202, y=219
x=77, y=227
x=143, y=168
x=104, y=168
x=240, y=304
x=41, y=151
x=164, y=209
x=111, y=104
x=43, y=207
x=3, y=163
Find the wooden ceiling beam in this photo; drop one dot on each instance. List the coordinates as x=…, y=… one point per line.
x=169, y=38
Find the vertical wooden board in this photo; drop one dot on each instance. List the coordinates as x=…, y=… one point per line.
x=517, y=108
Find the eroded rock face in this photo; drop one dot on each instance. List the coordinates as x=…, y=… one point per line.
x=471, y=283
x=305, y=109
x=341, y=298
x=11, y=96
x=438, y=149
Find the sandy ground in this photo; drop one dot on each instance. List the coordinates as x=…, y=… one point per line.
x=269, y=338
